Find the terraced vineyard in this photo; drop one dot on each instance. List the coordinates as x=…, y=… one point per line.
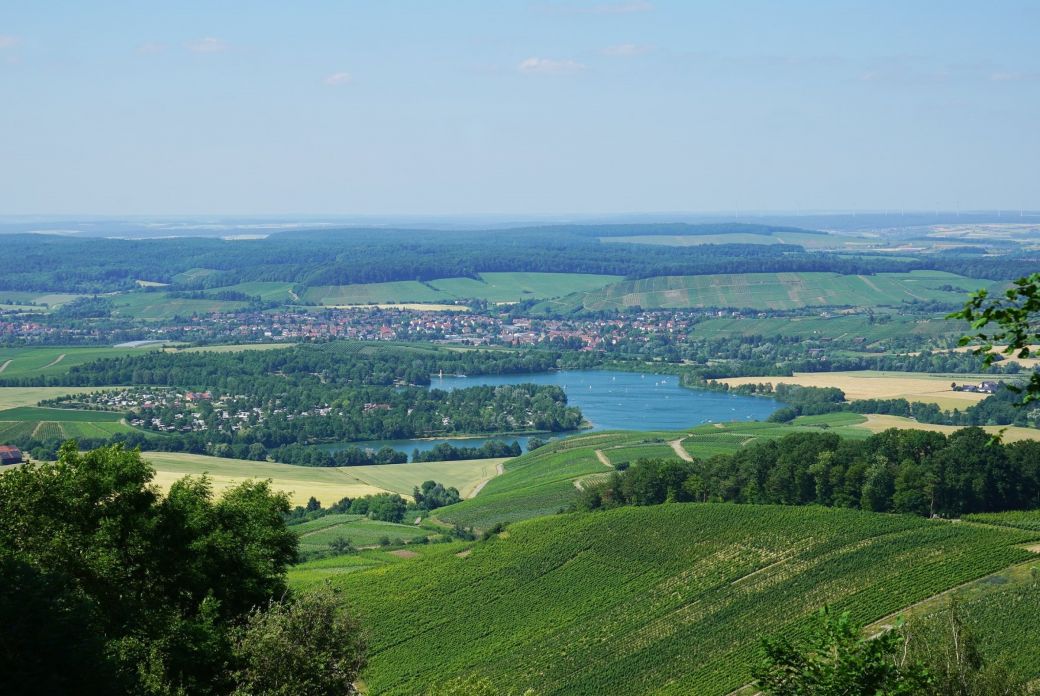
x=1019, y=519
x=59, y=423
x=669, y=599
x=781, y=290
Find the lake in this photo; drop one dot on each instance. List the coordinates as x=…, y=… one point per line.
x=610, y=400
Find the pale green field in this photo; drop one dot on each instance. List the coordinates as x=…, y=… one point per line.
x=782, y=290
x=13, y=397
x=493, y=287
x=232, y=348
x=267, y=291
x=158, y=306
x=43, y=361
x=51, y=299
x=327, y=484
x=809, y=241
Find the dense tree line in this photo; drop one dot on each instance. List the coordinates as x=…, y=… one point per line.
x=907, y=471
x=445, y=452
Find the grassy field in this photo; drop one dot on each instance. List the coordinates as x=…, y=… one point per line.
x=668, y=599
x=493, y=287
x=837, y=327
x=232, y=348
x=327, y=484
x=781, y=290
x=45, y=361
x=871, y=384
x=360, y=530
x=11, y=397
x=809, y=241
x=159, y=306
x=52, y=300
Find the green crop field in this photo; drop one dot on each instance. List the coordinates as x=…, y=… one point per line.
x=59, y=423
x=668, y=599
x=839, y=327
x=1020, y=519
x=493, y=287
x=47, y=361
x=361, y=531
x=159, y=306
x=780, y=290
x=327, y=484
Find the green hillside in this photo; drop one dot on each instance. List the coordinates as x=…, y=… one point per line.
x=543, y=482
x=779, y=291
x=668, y=599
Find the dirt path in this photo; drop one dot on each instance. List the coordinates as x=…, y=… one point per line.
x=603, y=459
x=682, y=453
x=4, y=366
x=54, y=362
x=480, y=486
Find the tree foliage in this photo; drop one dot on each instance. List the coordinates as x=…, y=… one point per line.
x=836, y=659
x=111, y=587
x=1015, y=318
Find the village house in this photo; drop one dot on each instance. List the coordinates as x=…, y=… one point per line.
x=9, y=454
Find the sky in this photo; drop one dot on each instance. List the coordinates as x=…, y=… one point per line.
x=495, y=107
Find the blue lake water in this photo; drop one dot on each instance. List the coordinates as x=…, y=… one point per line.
x=611, y=400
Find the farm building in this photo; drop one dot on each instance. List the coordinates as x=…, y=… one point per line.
x=10, y=454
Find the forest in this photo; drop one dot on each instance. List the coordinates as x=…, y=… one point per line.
x=360, y=255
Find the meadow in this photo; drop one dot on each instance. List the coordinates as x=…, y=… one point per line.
x=46, y=361
x=327, y=484
x=837, y=327
x=779, y=291
x=358, y=529
x=668, y=599
x=492, y=287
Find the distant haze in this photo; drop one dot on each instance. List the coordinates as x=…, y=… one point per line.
x=508, y=111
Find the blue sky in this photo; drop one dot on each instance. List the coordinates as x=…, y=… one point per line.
x=446, y=108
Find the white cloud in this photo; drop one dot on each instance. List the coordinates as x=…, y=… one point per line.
x=548, y=66
x=603, y=8
x=626, y=50
x=622, y=7
x=151, y=48
x=340, y=78
x=1008, y=76
x=7, y=41
x=207, y=44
